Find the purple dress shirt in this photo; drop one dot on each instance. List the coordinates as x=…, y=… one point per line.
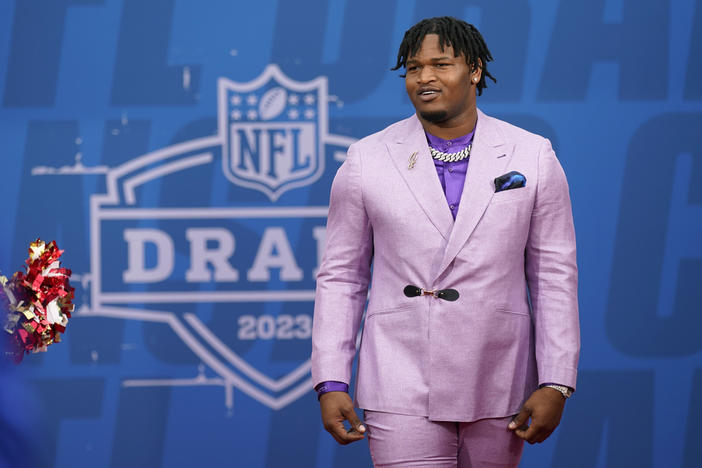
x=452, y=175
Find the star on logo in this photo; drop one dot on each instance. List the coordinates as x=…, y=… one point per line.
x=293, y=114
x=309, y=114
x=251, y=115
x=309, y=99
x=293, y=99
x=235, y=100
x=251, y=100
x=235, y=114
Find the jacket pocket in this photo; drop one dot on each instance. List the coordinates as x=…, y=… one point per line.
x=392, y=310
x=505, y=310
x=511, y=195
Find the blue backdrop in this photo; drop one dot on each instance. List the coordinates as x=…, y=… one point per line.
x=181, y=152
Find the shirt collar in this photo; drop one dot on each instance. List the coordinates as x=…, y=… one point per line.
x=453, y=145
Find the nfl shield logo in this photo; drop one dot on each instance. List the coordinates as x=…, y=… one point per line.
x=273, y=129
x=234, y=283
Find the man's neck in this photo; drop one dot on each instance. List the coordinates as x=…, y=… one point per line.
x=450, y=129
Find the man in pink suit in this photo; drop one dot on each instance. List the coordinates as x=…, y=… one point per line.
x=471, y=338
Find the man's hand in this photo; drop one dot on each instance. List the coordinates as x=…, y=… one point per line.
x=337, y=407
x=544, y=407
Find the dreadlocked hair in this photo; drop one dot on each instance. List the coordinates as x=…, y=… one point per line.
x=463, y=37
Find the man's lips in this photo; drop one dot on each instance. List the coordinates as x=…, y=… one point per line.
x=428, y=94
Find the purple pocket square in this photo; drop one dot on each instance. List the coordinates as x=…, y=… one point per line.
x=508, y=181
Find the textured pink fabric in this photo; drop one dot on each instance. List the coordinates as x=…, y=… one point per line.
x=482, y=355
x=398, y=440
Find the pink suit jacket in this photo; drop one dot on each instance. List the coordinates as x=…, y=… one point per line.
x=482, y=355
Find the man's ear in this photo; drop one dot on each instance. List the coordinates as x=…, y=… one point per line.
x=477, y=72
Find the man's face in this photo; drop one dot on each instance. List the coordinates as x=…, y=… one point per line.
x=440, y=86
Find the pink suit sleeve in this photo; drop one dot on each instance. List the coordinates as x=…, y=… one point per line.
x=343, y=278
x=552, y=274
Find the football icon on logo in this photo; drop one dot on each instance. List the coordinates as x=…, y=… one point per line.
x=272, y=103
x=274, y=136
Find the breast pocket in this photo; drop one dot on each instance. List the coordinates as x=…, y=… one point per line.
x=512, y=195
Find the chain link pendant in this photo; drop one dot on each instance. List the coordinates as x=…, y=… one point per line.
x=450, y=157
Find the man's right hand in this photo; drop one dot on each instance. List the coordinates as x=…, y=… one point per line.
x=337, y=407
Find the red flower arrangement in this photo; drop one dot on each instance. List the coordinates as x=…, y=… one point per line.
x=37, y=302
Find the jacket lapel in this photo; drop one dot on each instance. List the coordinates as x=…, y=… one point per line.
x=488, y=159
x=421, y=178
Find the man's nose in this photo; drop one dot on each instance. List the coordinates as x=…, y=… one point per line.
x=426, y=74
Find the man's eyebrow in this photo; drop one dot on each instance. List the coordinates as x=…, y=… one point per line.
x=433, y=59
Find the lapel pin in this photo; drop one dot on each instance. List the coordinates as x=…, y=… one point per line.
x=412, y=160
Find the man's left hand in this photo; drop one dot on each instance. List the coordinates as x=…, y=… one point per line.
x=544, y=407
